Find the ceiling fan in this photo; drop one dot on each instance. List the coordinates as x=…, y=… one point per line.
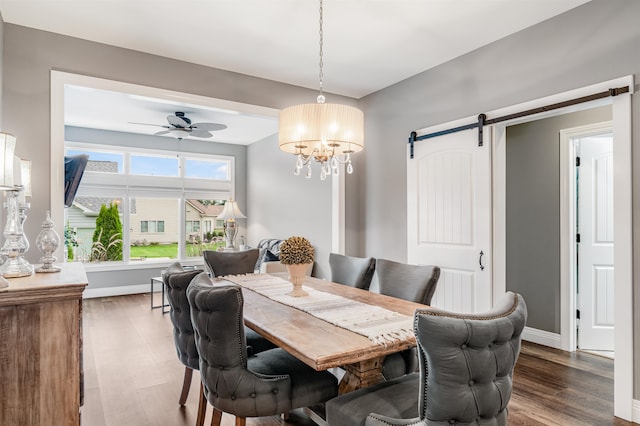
x=181, y=127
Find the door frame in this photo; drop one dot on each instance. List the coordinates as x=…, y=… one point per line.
x=623, y=251
x=568, y=282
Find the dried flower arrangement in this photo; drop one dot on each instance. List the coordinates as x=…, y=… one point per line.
x=296, y=250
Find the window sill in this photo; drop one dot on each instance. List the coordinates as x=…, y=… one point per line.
x=137, y=265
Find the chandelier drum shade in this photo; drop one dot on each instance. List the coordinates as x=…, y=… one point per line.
x=308, y=128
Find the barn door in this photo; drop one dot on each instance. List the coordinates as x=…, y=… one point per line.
x=449, y=217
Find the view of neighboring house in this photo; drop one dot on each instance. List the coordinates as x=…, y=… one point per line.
x=200, y=219
x=152, y=220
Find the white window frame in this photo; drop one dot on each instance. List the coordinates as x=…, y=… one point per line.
x=127, y=186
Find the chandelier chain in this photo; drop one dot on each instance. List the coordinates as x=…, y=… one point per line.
x=321, y=48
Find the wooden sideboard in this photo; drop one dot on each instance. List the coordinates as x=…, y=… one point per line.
x=41, y=348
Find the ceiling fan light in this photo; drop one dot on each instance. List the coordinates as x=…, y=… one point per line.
x=179, y=133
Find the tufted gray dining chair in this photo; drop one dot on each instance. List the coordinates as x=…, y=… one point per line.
x=353, y=271
x=466, y=364
x=269, y=383
x=234, y=263
x=221, y=263
x=176, y=280
x=416, y=283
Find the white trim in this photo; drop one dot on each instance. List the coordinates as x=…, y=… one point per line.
x=91, y=293
x=568, y=285
x=338, y=211
x=623, y=254
x=542, y=337
x=58, y=81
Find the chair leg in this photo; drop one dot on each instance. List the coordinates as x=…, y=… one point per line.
x=202, y=407
x=216, y=418
x=186, y=383
x=241, y=421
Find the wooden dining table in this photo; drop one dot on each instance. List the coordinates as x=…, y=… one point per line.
x=322, y=345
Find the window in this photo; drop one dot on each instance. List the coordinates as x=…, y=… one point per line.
x=152, y=226
x=150, y=191
x=192, y=226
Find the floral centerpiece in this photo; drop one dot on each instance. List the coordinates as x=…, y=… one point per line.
x=296, y=253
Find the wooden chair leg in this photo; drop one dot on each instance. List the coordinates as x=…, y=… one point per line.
x=241, y=421
x=202, y=407
x=186, y=384
x=216, y=418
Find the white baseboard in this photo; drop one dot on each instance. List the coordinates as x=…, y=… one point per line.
x=91, y=293
x=542, y=337
x=635, y=411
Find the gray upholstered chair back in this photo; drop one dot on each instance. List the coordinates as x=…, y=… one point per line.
x=466, y=364
x=352, y=271
x=176, y=280
x=222, y=263
x=217, y=315
x=416, y=283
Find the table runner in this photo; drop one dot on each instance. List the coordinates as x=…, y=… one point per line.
x=380, y=325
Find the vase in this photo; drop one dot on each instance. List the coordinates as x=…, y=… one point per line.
x=297, y=273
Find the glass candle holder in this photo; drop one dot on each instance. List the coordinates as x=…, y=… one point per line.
x=47, y=242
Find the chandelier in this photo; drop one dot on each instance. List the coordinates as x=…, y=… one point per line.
x=323, y=132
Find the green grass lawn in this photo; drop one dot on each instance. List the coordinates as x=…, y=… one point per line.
x=170, y=250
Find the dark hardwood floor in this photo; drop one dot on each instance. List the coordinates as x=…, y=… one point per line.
x=133, y=377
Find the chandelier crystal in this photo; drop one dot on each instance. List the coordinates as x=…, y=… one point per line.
x=323, y=132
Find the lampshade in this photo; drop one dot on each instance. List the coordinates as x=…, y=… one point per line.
x=7, y=149
x=231, y=211
x=305, y=128
x=25, y=174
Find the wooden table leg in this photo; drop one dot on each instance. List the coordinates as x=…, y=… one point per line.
x=361, y=375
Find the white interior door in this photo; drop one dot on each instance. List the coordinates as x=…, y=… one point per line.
x=449, y=217
x=595, y=250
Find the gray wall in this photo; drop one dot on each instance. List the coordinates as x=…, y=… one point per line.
x=533, y=212
x=595, y=42
x=274, y=193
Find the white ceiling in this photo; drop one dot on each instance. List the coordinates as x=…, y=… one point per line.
x=368, y=44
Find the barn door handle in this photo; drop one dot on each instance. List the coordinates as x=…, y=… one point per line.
x=480, y=260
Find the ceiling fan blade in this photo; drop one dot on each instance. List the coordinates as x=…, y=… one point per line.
x=162, y=132
x=200, y=133
x=149, y=124
x=210, y=127
x=176, y=121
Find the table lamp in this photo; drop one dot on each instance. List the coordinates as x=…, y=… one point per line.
x=7, y=149
x=229, y=214
x=16, y=243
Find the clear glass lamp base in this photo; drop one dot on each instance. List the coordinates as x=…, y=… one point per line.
x=16, y=267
